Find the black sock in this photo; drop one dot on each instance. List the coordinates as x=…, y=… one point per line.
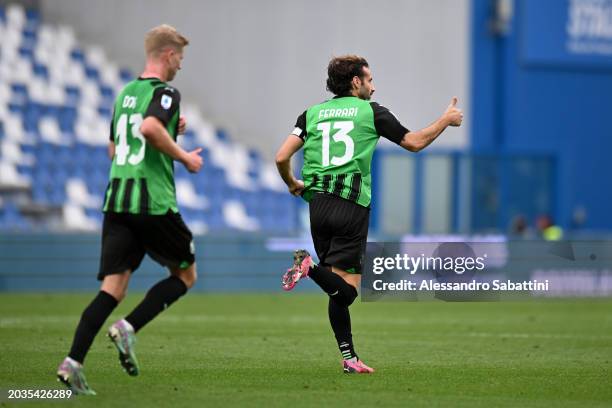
x=158, y=298
x=333, y=284
x=92, y=319
x=340, y=320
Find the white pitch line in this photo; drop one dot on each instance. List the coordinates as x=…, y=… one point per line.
x=539, y=336
x=13, y=322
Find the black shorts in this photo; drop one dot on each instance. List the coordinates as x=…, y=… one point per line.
x=339, y=231
x=127, y=237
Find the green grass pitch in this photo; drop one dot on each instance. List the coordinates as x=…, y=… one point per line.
x=277, y=350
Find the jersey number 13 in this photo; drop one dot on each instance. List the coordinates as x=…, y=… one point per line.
x=341, y=136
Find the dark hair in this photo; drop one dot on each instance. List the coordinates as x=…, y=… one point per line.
x=341, y=71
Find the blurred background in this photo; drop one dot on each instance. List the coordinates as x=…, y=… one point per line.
x=530, y=162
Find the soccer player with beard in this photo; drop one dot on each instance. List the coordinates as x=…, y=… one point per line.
x=339, y=137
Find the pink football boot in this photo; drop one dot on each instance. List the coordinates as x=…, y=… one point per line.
x=301, y=266
x=356, y=367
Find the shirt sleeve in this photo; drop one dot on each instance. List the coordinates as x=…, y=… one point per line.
x=387, y=124
x=300, y=126
x=164, y=104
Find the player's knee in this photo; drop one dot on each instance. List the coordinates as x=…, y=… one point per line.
x=117, y=292
x=189, y=276
x=120, y=295
x=116, y=285
x=192, y=277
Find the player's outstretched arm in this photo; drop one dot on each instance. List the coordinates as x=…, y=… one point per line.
x=417, y=141
x=157, y=136
x=291, y=145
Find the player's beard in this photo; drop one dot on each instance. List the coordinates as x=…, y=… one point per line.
x=365, y=94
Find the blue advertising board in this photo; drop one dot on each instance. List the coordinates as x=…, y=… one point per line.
x=566, y=33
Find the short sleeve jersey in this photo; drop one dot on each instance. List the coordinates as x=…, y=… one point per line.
x=142, y=177
x=340, y=136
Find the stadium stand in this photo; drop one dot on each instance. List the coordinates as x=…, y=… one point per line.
x=56, y=101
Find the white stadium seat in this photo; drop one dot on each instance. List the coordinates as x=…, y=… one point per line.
x=78, y=194
x=235, y=216
x=188, y=197
x=75, y=219
x=10, y=177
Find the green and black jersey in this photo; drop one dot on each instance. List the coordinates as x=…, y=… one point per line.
x=142, y=177
x=340, y=136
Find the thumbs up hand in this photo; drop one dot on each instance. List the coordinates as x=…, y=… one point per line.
x=193, y=161
x=453, y=115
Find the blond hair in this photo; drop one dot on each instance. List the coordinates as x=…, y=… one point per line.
x=162, y=37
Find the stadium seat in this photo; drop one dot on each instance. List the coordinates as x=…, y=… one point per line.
x=11, y=219
x=236, y=217
x=188, y=197
x=78, y=194
x=9, y=177
x=75, y=219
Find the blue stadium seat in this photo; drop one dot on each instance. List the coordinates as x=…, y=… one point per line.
x=57, y=197
x=20, y=94
x=96, y=214
x=39, y=193
x=81, y=151
x=25, y=170
x=78, y=55
x=65, y=159
x=16, y=108
x=222, y=135
x=97, y=183
x=106, y=91
x=44, y=156
x=105, y=111
x=73, y=95
x=99, y=156
x=27, y=52
x=32, y=17
x=67, y=118
x=40, y=70
x=11, y=218
x=52, y=110
x=29, y=149
x=29, y=40
x=125, y=75
x=31, y=116
x=92, y=73
x=214, y=219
